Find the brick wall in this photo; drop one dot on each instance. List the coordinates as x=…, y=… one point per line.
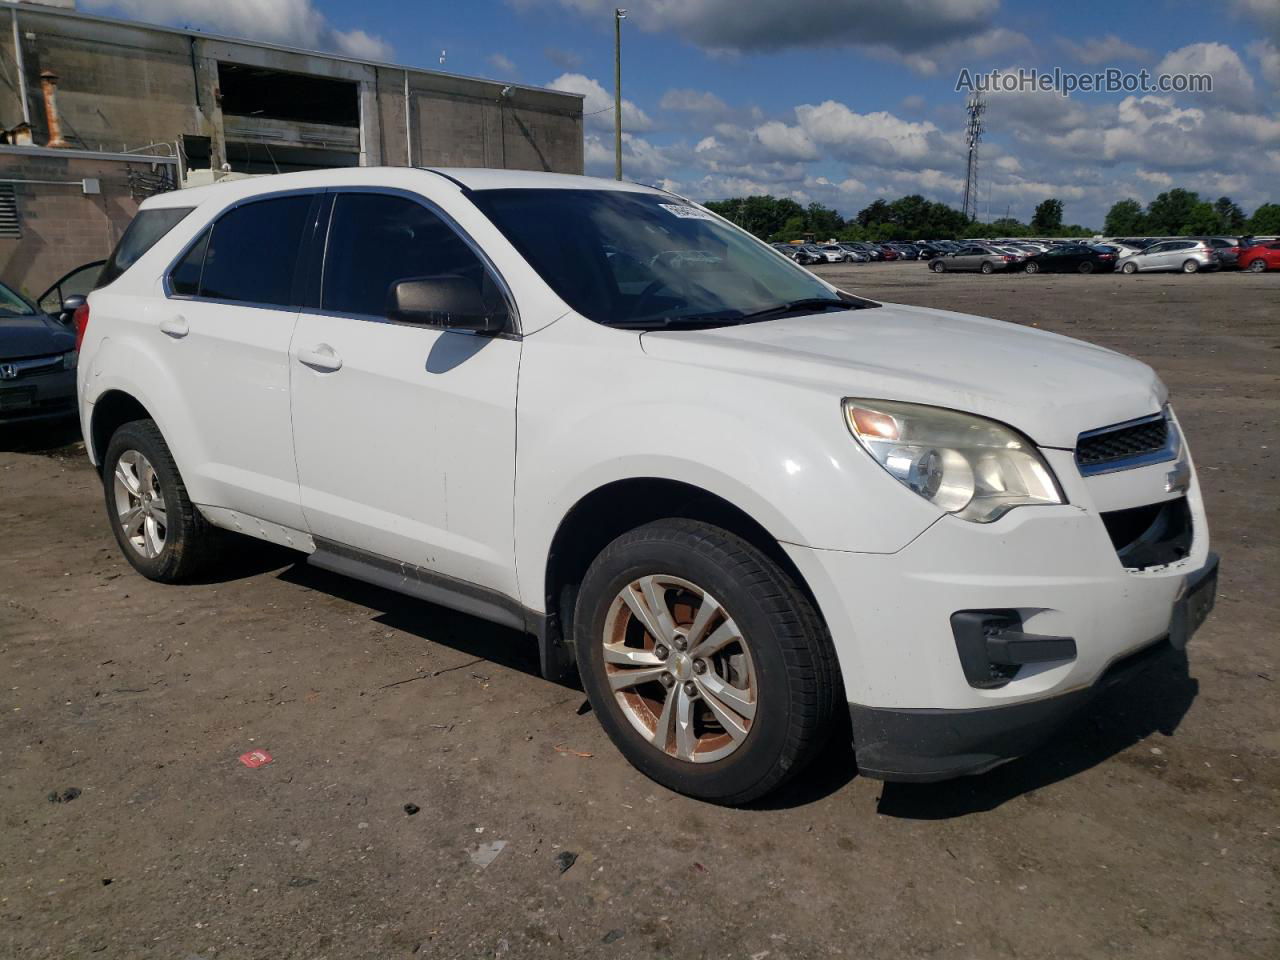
x=62, y=227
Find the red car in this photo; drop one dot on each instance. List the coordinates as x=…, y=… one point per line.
x=1261, y=256
x=889, y=252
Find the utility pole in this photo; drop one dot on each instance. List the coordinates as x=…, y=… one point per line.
x=975, y=107
x=618, y=16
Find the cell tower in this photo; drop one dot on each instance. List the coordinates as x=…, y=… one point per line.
x=975, y=107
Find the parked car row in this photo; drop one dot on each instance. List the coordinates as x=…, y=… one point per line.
x=1184, y=254
x=1124, y=254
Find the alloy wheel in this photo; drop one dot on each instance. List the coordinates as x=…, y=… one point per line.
x=1257, y=266
x=680, y=668
x=140, y=507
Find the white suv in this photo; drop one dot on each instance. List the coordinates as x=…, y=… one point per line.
x=734, y=498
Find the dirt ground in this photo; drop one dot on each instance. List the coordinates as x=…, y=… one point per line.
x=1149, y=828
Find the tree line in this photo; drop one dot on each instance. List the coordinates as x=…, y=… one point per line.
x=1181, y=212
x=1177, y=212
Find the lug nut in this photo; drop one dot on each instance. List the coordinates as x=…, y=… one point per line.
x=680, y=642
x=690, y=688
x=699, y=666
x=667, y=680
x=661, y=651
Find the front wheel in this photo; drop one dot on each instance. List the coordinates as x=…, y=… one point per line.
x=938, y=266
x=1191, y=266
x=1257, y=266
x=1032, y=268
x=1129, y=268
x=159, y=530
x=708, y=667
x=1086, y=267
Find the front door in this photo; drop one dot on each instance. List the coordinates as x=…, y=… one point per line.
x=404, y=434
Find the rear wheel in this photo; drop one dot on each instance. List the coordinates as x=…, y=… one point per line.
x=1129, y=268
x=1032, y=267
x=707, y=666
x=986, y=267
x=159, y=530
x=938, y=266
x=1191, y=266
x=1257, y=266
x=1086, y=267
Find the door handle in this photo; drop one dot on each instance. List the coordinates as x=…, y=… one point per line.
x=176, y=327
x=320, y=357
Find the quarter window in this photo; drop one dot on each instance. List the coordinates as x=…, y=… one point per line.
x=250, y=254
x=376, y=239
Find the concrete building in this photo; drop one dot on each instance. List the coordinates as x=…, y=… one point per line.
x=100, y=113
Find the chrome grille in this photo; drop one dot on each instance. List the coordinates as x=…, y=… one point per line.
x=1122, y=446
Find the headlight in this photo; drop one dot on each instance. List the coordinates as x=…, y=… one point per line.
x=69, y=359
x=969, y=466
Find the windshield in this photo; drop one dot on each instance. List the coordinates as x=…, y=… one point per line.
x=648, y=260
x=13, y=304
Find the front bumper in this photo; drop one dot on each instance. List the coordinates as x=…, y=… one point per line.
x=1052, y=571
x=923, y=745
x=44, y=396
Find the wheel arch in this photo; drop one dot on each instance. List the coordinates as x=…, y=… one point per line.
x=112, y=410
x=612, y=509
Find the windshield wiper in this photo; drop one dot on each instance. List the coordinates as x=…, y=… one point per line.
x=792, y=306
x=685, y=322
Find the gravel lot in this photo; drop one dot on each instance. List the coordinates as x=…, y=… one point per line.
x=1150, y=828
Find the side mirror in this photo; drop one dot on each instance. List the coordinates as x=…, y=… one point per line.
x=69, y=307
x=447, y=300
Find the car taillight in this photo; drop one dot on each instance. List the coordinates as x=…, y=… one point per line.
x=1104, y=256
x=1007, y=257
x=81, y=320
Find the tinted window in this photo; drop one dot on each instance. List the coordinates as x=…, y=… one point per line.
x=375, y=240
x=140, y=236
x=253, y=250
x=184, y=279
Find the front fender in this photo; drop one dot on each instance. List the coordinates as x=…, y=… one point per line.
x=594, y=409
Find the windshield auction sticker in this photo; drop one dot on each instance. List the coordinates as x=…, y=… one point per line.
x=686, y=212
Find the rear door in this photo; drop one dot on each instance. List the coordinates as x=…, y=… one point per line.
x=224, y=331
x=404, y=433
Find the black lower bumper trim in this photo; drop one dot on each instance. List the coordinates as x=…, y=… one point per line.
x=924, y=745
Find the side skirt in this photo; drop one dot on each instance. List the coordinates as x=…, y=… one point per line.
x=460, y=595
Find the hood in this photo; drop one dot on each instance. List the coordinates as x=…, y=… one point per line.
x=1049, y=387
x=38, y=336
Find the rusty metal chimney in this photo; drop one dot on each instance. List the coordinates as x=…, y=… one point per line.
x=49, y=86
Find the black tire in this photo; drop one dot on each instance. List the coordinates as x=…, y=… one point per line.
x=798, y=686
x=1257, y=266
x=1032, y=267
x=987, y=267
x=190, y=543
x=1086, y=267
x=1129, y=268
x=938, y=266
x=1190, y=266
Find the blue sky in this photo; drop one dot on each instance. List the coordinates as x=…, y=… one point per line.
x=843, y=101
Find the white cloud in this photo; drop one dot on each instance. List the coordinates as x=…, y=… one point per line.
x=1268, y=57
x=597, y=107
x=501, y=63
x=693, y=101
x=294, y=23
x=1232, y=83
x=1095, y=51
